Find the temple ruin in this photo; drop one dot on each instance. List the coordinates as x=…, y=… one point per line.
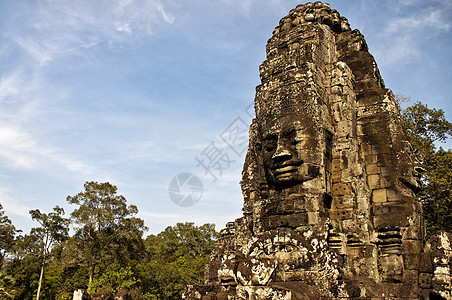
x=329, y=181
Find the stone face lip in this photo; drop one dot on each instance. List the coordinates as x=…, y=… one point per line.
x=329, y=180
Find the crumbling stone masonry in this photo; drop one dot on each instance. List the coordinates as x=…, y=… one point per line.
x=329, y=180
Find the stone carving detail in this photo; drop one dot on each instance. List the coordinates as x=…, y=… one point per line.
x=329, y=180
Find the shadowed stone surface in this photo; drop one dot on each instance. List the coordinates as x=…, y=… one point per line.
x=103, y=294
x=329, y=180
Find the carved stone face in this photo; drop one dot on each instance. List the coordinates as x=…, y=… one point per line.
x=288, y=149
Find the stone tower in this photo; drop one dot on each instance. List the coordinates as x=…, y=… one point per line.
x=329, y=180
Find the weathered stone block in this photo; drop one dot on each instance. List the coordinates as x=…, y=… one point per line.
x=343, y=202
x=341, y=214
x=366, y=149
x=392, y=267
x=295, y=220
x=379, y=196
x=425, y=280
x=389, y=216
x=373, y=181
x=411, y=261
x=371, y=159
x=388, y=182
x=313, y=218
x=336, y=164
x=337, y=177
x=340, y=189
x=344, y=128
x=372, y=169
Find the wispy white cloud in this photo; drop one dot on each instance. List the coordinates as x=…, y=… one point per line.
x=402, y=38
x=60, y=27
x=9, y=85
x=48, y=31
x=12, y=206
x=40, y=52
x=407, y=3
x=433, y=20
x=124, y=28
x=400, y=50
x=167, y=17
x=20, y=150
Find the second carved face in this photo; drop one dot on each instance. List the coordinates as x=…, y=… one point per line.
x=288, y=149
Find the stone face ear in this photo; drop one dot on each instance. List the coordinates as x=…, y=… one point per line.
x=329, y=180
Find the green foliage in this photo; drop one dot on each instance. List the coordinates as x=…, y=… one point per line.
x=425, y=127
x=99, y=207
x=54, y=228
x=64, y=273
x=7, y=234
x=177, y=257
x=437, y=196
x=116, y=277
x=25, y=275
x=107, y=230
x=107, y=251
x=6, y=286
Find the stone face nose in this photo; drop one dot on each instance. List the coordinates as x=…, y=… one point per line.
x=282, y=153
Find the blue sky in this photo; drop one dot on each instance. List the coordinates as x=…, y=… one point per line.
x=133, y=91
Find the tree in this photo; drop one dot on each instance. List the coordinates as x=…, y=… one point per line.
x=54, y=228
x=176, y=257
x=25, y=276
x=107, y=230
x=6, y=282
x=436, y=195
x=7, y=234
x=426, y=127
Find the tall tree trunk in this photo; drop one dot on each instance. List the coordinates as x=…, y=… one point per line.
x=40, y=279
x=91, y=275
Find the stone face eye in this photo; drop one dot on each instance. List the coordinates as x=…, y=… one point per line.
x=270, y=146
x=270, y=143
x=290, y=137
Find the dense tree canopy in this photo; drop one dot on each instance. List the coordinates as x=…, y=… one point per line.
x=106, y=251
x=7, y=234
x=426, y=128
x=53, y=228
x=176, y=257
x=107, y=231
